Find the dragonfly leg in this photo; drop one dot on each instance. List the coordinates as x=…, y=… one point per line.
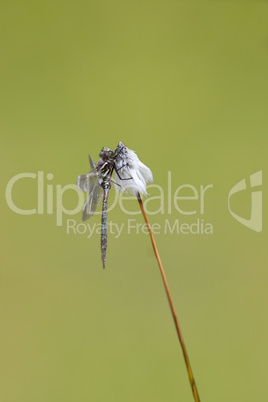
x=119, y=168
x=127, y=178
x=118, y=152
x=116, y=183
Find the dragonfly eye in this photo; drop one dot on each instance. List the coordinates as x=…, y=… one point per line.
x=106, y=153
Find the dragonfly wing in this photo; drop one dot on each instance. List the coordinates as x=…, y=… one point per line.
x=92, y=163
x=86, y=182
x=94, y=198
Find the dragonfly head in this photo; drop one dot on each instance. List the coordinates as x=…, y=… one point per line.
x=106, y=153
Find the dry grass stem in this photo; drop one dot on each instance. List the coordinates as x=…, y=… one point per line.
x=186, y=359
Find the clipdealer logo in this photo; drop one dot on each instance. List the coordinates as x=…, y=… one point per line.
x=255, y=220
x=186, y=194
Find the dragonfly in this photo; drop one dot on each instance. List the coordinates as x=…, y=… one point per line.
x=97, y=183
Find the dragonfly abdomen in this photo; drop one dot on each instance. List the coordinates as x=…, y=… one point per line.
x=104, y=225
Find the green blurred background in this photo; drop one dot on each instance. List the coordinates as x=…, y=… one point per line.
x=184, y=84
